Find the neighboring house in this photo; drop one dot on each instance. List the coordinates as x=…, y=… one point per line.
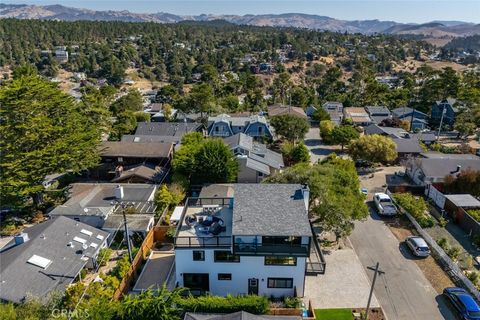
x=240, y=315
x=335, y=110
x=255, y=160
x=378, y=113
x=450, y=111
x=407, y=148
x=433, y=167
x=358, y=116
x=385, y=131
x=425, y=137
x=157, y=113
x=167, y=129
x=164, y=132
x=120, y=156
x=254, y=126
x=280, y=109
x=310, y=111
x=419, y=120
x=96, y=204
x=258, y=241
x=144, y=173
x=47, y=257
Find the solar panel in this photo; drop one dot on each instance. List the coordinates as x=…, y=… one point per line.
x=39, y=261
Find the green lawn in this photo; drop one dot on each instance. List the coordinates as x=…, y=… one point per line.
x=333, y=314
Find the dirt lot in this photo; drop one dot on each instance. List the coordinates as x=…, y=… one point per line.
x=402, y=228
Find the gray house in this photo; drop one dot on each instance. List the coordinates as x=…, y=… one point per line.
x=335, y=110
x=378, y=113
x=256, y=161
x=47, y=257
x=450, y=111
x=225, y=126
x=418, y=119
x=433, y=167
x=95, y=205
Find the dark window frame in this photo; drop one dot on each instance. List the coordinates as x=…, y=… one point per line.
x=229, y=254
x=201, y=252
x=275, y=286
x=280, y=264
x=224, y=276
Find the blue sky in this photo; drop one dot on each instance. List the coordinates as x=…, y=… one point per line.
x=397, y=10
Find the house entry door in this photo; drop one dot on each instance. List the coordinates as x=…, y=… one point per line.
x=253, y=286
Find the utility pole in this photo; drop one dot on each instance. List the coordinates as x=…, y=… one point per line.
x=127, y=237
x=441, y=122
x=377, y=271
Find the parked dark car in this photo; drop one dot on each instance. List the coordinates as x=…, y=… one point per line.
x=463, y=302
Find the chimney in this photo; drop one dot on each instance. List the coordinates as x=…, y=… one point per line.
x=306, y=195
x=119, y=194
x=21, y=238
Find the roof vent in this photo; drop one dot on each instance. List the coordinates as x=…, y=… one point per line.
x=70, y=244
x=42, y=236
x=21, y=238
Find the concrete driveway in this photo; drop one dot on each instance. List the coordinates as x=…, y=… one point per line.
x=318, y=150
x=344, y=284
x=403, y=291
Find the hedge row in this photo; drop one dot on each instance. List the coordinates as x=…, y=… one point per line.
x=417, y=207
x=229, y=304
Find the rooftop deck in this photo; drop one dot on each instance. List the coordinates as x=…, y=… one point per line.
x=205, y=223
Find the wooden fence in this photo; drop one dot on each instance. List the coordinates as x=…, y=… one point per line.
x=157, y=234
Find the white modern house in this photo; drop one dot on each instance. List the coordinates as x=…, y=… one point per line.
x=258, y=241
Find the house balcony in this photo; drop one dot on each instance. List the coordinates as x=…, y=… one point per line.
x=256, y=249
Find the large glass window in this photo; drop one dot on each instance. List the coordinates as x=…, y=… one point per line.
x=196, y=281
x=280, y=283
x=281, y=240
x=280, y=261
x=225, y=256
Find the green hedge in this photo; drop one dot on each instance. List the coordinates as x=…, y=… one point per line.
x=416, y=206
x=215, y=304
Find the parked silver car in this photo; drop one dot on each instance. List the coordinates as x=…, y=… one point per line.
x=418, y=246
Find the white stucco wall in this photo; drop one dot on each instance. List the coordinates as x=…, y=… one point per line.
x=248, y=267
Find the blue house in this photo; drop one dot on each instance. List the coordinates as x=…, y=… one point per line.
x=418, y=119
x=450, y=111
x=254, y=126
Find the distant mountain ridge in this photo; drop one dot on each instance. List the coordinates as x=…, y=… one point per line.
x=298, y=20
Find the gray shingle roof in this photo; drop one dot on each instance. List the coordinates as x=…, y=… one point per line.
x=166, y=128
x=440, y=167
x=98, y=198
x=408, y=146
x=257, y=166
x=256, y=151
x=269, y=210
x=151, y=138
x=49, y=240
x=135, y=150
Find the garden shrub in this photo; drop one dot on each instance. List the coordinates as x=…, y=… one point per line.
x=473, y=276
x=417, y=207
x=229, y=304
x=291, y=302
x=454, y=253
x=443, y=243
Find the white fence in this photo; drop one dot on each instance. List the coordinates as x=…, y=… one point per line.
x=436, y=196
